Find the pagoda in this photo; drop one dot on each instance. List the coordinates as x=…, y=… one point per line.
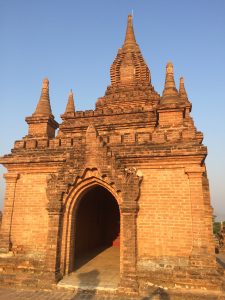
x=129, y=174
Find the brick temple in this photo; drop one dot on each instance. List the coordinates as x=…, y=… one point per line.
x=129, y=174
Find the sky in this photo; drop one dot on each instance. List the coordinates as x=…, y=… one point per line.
x=74, y=42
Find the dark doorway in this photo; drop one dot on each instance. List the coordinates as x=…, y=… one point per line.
x=97, y=224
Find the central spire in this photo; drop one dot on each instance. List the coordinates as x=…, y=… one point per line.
x=130, y=37
x=129, y=67
x=130, y=77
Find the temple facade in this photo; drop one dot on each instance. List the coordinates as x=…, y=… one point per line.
x=129, y=174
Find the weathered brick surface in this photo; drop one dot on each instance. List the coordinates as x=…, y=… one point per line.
x=165, y=215
x=0, y=219
x=145, y=150
x=30, y=218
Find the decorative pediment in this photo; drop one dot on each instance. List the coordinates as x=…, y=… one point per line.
x=100, y=167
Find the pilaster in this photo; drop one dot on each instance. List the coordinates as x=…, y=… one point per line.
x=52, y=262
x=128, y=275
x=200, y=254
x=10, y=194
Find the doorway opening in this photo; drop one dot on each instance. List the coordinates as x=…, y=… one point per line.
x=97, y=228
x=94, y=243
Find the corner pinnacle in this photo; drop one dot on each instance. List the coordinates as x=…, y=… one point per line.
x=182, y=90
x=70, y=108
x=44, y=106
x=170, y=87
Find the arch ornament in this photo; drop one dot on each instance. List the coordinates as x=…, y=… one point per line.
x=71, y=199
x=124, y=187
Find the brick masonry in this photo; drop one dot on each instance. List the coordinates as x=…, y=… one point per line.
x=141, y=147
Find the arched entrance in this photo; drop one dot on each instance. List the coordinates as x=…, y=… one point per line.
x=91, y=186
x=92, y=239
x=97, y=225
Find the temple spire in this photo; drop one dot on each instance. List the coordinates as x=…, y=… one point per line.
x=182, y=91
x=130, y=76
x=170, y=87
x=42, y=123
x=70, y=108
x=44, y=107
x=184, y=96
x=130, y=37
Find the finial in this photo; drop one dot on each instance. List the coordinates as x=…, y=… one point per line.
x=181, y=80
x=130, y=37
x=45, y=83
x=169, y=68
x=70, y=108
x=44, y=106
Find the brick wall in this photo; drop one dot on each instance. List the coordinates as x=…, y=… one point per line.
x=164, y=219
x=170, y=118
x=0, y=219
x=30, y=217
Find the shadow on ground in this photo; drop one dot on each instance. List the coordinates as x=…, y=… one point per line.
x=158, y=294
x=87, y=285
x=220, y=261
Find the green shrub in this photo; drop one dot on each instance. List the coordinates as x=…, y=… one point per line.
x=216, y=227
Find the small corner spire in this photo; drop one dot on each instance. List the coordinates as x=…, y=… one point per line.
x=170, y=87
x=44, y=106
x=182, y=90
x=70, y=108
x=130, y=37
x=183, y=95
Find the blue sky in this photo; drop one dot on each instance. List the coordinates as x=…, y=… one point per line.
x=74, y=42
